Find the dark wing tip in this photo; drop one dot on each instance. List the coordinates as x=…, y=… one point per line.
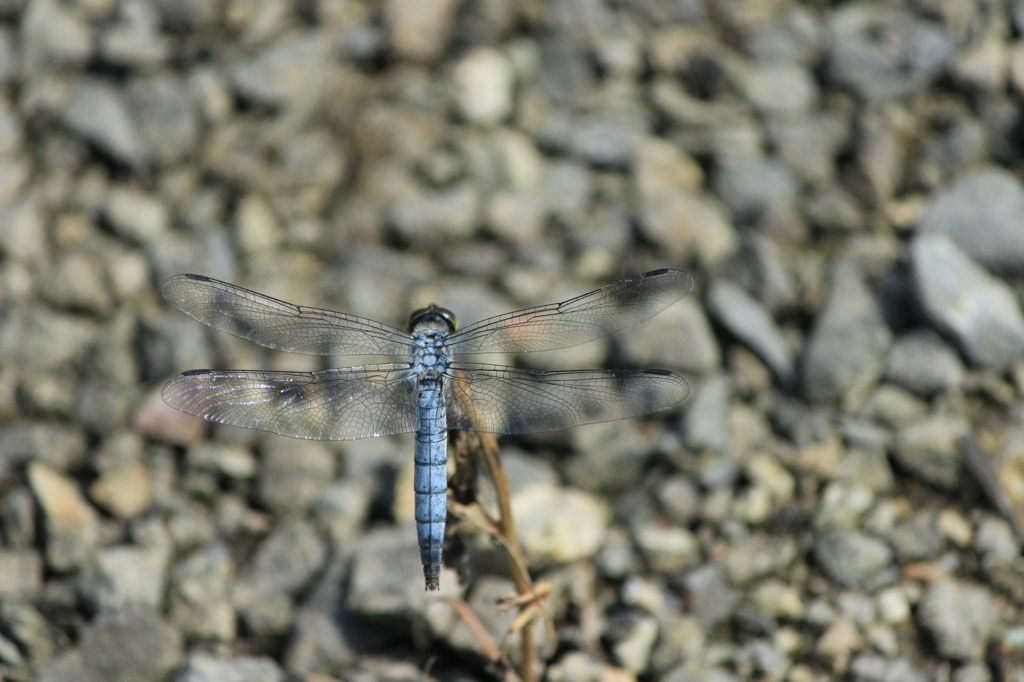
x=193, y=372
x=679, y=280
x=681, y=386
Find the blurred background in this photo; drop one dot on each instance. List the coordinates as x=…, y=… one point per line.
x=842, y=496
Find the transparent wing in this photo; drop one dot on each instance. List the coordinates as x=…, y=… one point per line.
x=500, y=399
x=279, y=325
x=578, y=320
x=337, y=404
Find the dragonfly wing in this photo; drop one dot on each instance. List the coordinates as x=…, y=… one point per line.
x=500, y=399
x=337, y=404
x=279, y=325
x=578, y=320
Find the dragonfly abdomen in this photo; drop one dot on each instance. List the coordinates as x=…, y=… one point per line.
x=431, y=478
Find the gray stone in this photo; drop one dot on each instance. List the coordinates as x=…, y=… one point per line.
x=981, y=213
x=834, y=208
x=559, y=525
x=633, y=649
x=124, y=577
x=794, y=35
x=53, y=35
x=21, y=573
x=869, y=667
x=929, y=450
x=72, y=525
x=918, y=538
x=809, y=145
x=747, y=318
x=780, y=88
x=294, y=474
x=130, y=646
x=36, y=638
x=960, y=617
x=667, y=549
x=483, y=82
x=884, y=52
x=283, y=564
x=710, y=598
x=979, y=311
x=98, y=112
x=687, y=224
x=61, y=445
x=846, y=350
x=167, y=115
x=137, y=216
x=35, y=338
x=291, y=72
x=427, y=218
x=996, y=541
x=566, y=188
x=679, y=337
x=759, y=555
x=751, y=187
x=420, y=31
x=618, y=558
x=608, y=141
x=387, y=577
x=922, y=362
x=134, y=40
x=973, y=671
x=199, y=604
x=705, y=424
x=205, y=667
x=851, y=558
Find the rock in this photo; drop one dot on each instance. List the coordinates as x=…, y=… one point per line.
x=921, y=362
x=608, y=141
x=134, y=40
x=747, y=319
x=577, y=665
x=483, y=82
x=125, y=491
x=35, y=338
x=851, y=558
x=633, y=649
x=996, y=541
x=979, y=311
x=559, y=525
x=758, y=555
x=99, y=113
x=420, y=31
x=72, y=526
x=752, y=187
x=894, y=407
x=566, y=188
x=21, y=573
x=846, y=350
x=283, y=564
x=883, y=52
x=157, y=419
x=705, y=425
x=834, y=208
x=204, y=667
x=126, y=576
x=929, y=450
x=200, y=586
x=386, y=583
x=710, y=598
x=667, y=549
x=290, y=73
x=167, y=114
x=688, y=224
x=294, y=473
x=660, y=168
x=917, y=538
x=54, y=34
x=60, y=445
x=134, y=645
x=960, y=617
x=980, y=212
x=516, y=218
x=780, y=88
x=447, y=213
x=137, y=216
x=868, y=667
x=679, y=337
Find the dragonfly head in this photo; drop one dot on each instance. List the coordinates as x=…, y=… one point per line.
x=433, y=317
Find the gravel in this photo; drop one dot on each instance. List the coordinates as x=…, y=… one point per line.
x=840, y=179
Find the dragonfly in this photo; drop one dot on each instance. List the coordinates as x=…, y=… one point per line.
x=430, y=390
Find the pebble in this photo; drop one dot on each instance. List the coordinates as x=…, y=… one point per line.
x=200, y=585
x=134, y=645
x=633, y=650
x=980, y=312
x=928, y=449
x=124, y=491
x=757, y=556
x=134, y=40
x=419, y=31
x=126, y=576
x=751, y=322
x=849, y=557
x=809, y=145
x=99, y=113
x=996, y=541
x=845, y=353
x=870, y=667
x=62, y=446
x=688, y=224
x=21, y=573
x=290, y=73
x=483, y=83
x=447, y=213
x=205, y=667
x=53, y=33
x=979, y=212
x=754, y=187
x=559, y=525
x=38, y=339
x=704, y=425
x=667, y=549
x=72, y=525
x=679, y=337
x=922, y=362
x=608, y=141
x=294, y=473
x=710, y=598
x=167, y=114
x=960, y=617
x=918, y=538
x=784, y=88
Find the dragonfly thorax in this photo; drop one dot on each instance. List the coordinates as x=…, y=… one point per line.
x=430, y=355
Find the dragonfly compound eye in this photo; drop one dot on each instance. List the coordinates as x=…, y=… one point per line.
x=434, y=316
